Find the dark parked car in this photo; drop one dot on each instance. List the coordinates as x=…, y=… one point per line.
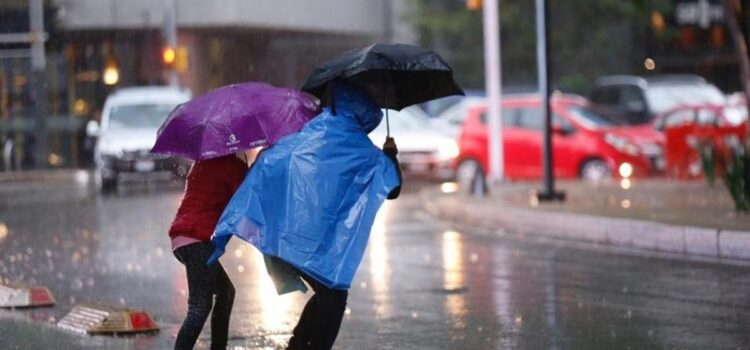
x=641, y=99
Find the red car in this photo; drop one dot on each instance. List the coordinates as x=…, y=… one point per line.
x=687, y=128
x=586, y=143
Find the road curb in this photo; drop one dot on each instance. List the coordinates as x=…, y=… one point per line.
x=618, y=232
x=44, y=175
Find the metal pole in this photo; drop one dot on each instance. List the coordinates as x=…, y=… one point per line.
x=493, y=84
x=39, y=92
x=170, y=35
x=543, y=76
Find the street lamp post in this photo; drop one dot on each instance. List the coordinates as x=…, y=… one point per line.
x=493, y=84
x=542, y=45
x=38, y=67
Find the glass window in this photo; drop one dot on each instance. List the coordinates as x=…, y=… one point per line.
x=145, y=116
x=509, y=116
x=530, y=118
x=665, y=97
x=593, y=119
x=605, y=95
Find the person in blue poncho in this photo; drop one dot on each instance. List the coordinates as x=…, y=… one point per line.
x=310, y=201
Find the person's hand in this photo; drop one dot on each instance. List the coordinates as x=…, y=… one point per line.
x=389, y=147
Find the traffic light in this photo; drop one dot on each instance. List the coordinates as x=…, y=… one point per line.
x=168, y=56
x=474, y=5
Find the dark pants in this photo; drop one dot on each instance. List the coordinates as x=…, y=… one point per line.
x=204, y=282
x=321, y=319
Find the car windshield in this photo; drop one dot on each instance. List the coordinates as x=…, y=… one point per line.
x=665, y=97
x=410, y=118
x=142, y=116
x=594, y=119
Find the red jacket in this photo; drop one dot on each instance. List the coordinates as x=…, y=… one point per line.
x=210, y=185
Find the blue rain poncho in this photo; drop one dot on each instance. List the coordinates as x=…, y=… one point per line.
x=311, y=199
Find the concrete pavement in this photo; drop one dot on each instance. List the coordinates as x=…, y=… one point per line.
x=684, y=218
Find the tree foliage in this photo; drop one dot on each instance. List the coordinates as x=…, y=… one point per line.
x=588, y=38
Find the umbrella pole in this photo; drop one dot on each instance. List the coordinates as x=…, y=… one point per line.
x=387, y=124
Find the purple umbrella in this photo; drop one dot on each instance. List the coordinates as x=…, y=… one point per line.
x=234, y=118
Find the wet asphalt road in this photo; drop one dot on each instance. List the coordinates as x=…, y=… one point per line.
x=423, y=284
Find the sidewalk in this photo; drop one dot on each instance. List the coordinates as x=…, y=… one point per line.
x=44, y=175
x=687, y=218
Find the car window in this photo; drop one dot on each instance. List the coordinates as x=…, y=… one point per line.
x=592, y=119
x=665, y=97
x=509, y=116
x=629, y=94
x=689, y=116
x=606, y=95
x=141, y=116
x=408, y=119
x=530, y=118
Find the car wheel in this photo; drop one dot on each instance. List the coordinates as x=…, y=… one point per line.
x=469, y=175
x=595, y=170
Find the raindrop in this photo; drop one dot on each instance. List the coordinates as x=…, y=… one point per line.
x=12, y=259
x=427, y=258
x=348, y=311
x=241, y=268
x=129, y=267
x=72, y=299
x=363, y=285
x=29, y=250
x=624, y=289
x=138, y=267
x=650, y=333
x=238, y=253
x=76, y=257
x=479, y=329
x=183, y=292
x=414, y=314
x=474, y=257
x=60, y=275
x=51, y=319
x=159, y=252
x=48, y=253
x=77, y=284
x=90, y=282
x=630, y=314
x=519, y=319
x=122, y=301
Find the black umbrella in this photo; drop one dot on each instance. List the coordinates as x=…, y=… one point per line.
x=395, y=75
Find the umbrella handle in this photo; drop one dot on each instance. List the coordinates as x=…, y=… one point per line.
x=387, y=124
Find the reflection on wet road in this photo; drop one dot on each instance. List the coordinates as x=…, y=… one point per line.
x=422, y=285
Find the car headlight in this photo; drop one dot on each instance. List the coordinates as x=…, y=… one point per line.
x=622, y=144
x=448, y=150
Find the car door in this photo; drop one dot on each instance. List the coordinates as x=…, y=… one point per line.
x=512, y=166
x=566, y=147
x=526, y=149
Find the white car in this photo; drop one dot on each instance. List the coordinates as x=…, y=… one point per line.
x=451, y=119
x=130, y=120
x=424, y=150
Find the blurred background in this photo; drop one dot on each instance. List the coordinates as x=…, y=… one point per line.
x=624, y=72
x=649, y=130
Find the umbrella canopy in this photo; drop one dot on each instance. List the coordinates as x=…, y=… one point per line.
x=234, y=118
x=395, y=75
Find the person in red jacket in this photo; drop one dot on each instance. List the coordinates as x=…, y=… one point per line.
x=209, y=187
